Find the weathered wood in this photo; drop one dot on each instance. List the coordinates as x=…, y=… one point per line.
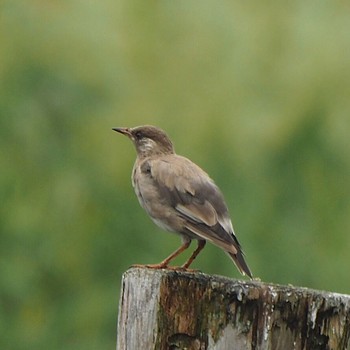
x=165, y=309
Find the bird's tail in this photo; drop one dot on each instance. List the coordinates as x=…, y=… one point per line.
x=239, y=261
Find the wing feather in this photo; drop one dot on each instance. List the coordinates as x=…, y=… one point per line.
x=194, y=195
x=199, y=202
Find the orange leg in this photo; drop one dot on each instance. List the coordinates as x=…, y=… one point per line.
x=201, y=245
x=172, y=256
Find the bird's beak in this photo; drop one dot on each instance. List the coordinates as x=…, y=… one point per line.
x=124, y=131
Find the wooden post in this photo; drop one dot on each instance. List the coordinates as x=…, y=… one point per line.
x=168, y=310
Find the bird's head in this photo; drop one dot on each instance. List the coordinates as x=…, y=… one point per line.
x=148, y=140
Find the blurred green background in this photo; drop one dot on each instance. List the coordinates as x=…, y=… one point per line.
x=257, y=93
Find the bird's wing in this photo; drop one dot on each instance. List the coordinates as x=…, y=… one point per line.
x=195, y=196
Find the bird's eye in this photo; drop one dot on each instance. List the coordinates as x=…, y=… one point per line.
x=138, y=135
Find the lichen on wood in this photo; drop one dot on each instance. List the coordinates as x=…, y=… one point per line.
x=166, y=309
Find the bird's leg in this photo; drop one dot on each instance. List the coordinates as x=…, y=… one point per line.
x=200, y=246
x=172, y=256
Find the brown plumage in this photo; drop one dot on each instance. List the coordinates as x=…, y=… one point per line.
x=180, y=197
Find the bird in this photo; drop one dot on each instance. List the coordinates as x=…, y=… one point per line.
x=180, y=197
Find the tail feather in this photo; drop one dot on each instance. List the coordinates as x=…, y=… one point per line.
x=239, y=261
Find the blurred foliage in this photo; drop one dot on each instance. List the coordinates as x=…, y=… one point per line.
x=257, y=93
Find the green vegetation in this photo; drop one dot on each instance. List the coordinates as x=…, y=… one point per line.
x=256, y=93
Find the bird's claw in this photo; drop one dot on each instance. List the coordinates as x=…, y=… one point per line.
x=162, y=266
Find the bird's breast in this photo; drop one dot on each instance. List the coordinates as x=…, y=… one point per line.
x=149, y=196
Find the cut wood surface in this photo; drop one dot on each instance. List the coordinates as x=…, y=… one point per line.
x=166, y=309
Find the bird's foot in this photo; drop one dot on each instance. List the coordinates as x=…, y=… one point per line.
x=151, y=266
x=162, y=266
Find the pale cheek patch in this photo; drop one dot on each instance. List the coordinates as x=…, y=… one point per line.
x=148, y=144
